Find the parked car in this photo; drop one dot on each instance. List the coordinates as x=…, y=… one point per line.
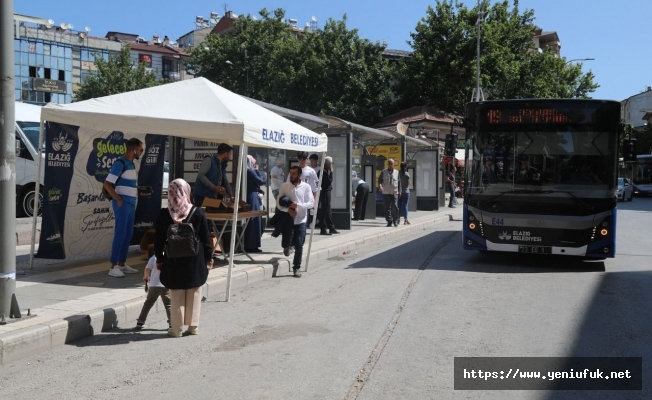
x=27, y=138
x=625, y=191
x=166, y=178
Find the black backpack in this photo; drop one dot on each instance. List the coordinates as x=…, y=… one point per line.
x=105, y=192
x=182, y=240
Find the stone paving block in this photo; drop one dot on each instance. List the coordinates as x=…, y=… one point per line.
x=132, y=310
x=216, y=287
x=58, y=332
x=24, y=343
x=255, y=274
x=238, y=280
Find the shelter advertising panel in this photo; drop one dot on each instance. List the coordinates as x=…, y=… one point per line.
x=77, y=218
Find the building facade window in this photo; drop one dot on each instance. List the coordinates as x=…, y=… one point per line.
x=145, y=59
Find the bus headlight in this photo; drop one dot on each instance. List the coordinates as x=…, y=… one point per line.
x=472, y=226
x=604, y=231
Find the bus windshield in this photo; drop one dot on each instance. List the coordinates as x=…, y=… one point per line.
x=643, y=174
x=521, y=160
x=542, y=156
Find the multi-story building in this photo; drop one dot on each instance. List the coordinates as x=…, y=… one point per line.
x=634, y=108
x=547, y=39
x=51, y=61
x=160, y=57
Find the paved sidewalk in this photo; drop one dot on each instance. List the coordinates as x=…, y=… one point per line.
x=71, y=299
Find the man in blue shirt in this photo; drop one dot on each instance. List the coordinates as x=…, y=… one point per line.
x=121, y=183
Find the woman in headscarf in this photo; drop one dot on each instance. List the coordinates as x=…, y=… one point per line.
x=183, y=276
x=254, y=229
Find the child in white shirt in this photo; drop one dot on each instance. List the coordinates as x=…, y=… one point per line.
x=152, y=278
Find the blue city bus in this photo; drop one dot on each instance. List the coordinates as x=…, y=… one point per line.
x=541, y=176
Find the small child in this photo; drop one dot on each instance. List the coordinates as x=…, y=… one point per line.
x=152, y=277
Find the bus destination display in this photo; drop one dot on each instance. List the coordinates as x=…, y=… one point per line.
x=528, y=116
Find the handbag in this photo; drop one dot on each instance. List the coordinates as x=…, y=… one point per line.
x=182, y=240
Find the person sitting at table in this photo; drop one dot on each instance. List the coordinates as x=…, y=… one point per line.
x=254, y=229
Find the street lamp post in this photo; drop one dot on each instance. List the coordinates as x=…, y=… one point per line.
x=566, y=63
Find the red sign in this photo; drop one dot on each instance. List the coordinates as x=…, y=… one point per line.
x=145, y=58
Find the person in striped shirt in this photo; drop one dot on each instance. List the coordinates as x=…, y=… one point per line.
x=121, y=183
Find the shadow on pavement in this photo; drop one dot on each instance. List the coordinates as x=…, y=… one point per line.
x=421, y=248
x=471, y=261
x=120, y=336
x=617, y=323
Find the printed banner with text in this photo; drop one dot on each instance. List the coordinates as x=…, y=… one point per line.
x=77, y=218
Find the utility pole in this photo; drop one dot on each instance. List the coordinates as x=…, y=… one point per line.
x=8, y=303
x=478, y=23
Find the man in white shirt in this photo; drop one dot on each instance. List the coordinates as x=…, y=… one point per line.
x=277, y=177
x=303, y=200
x=309, y=176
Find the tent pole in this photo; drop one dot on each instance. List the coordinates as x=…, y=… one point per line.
x=36, y=194
x=234, y=223
x=314, y=218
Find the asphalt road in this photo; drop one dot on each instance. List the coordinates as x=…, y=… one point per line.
x=383, y=324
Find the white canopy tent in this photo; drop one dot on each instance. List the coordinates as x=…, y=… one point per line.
x=194, y=109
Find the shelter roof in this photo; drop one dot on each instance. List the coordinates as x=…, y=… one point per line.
x=201, y=110
x=417, y=114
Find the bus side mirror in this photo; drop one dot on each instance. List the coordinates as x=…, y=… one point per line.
x=18, y=148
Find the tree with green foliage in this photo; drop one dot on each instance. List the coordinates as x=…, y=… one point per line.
x=442, y=70
x=330, y=71
x=117, y=75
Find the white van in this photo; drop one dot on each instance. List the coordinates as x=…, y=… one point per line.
x=27, y=132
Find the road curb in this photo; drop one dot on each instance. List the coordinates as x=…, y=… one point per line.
x=32, y=340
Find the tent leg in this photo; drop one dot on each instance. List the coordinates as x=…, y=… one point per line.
x=314, y=218
x=234, y=223
x=37, y=190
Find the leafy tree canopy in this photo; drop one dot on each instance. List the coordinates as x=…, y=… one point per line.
x=442, y=70
x=330, y=71
x=117, y=75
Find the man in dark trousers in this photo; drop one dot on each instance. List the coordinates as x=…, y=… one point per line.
x=450, y=183
x=361, y=190
x=302, y=200
x=325, y=215
x=390, y=185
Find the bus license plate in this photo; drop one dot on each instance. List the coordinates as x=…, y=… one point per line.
x=535, y=249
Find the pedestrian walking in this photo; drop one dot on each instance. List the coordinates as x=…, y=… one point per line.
x=361, y=189
x=302, y=201
x=186, y=275
x=254, y=230
x=390, y=185
x=121, y=184
x=154, y=289
x=309, y=176
x=404, y=198
x=325, y=215
x=450, y=184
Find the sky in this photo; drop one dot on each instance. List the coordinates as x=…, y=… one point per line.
x=613, y=33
